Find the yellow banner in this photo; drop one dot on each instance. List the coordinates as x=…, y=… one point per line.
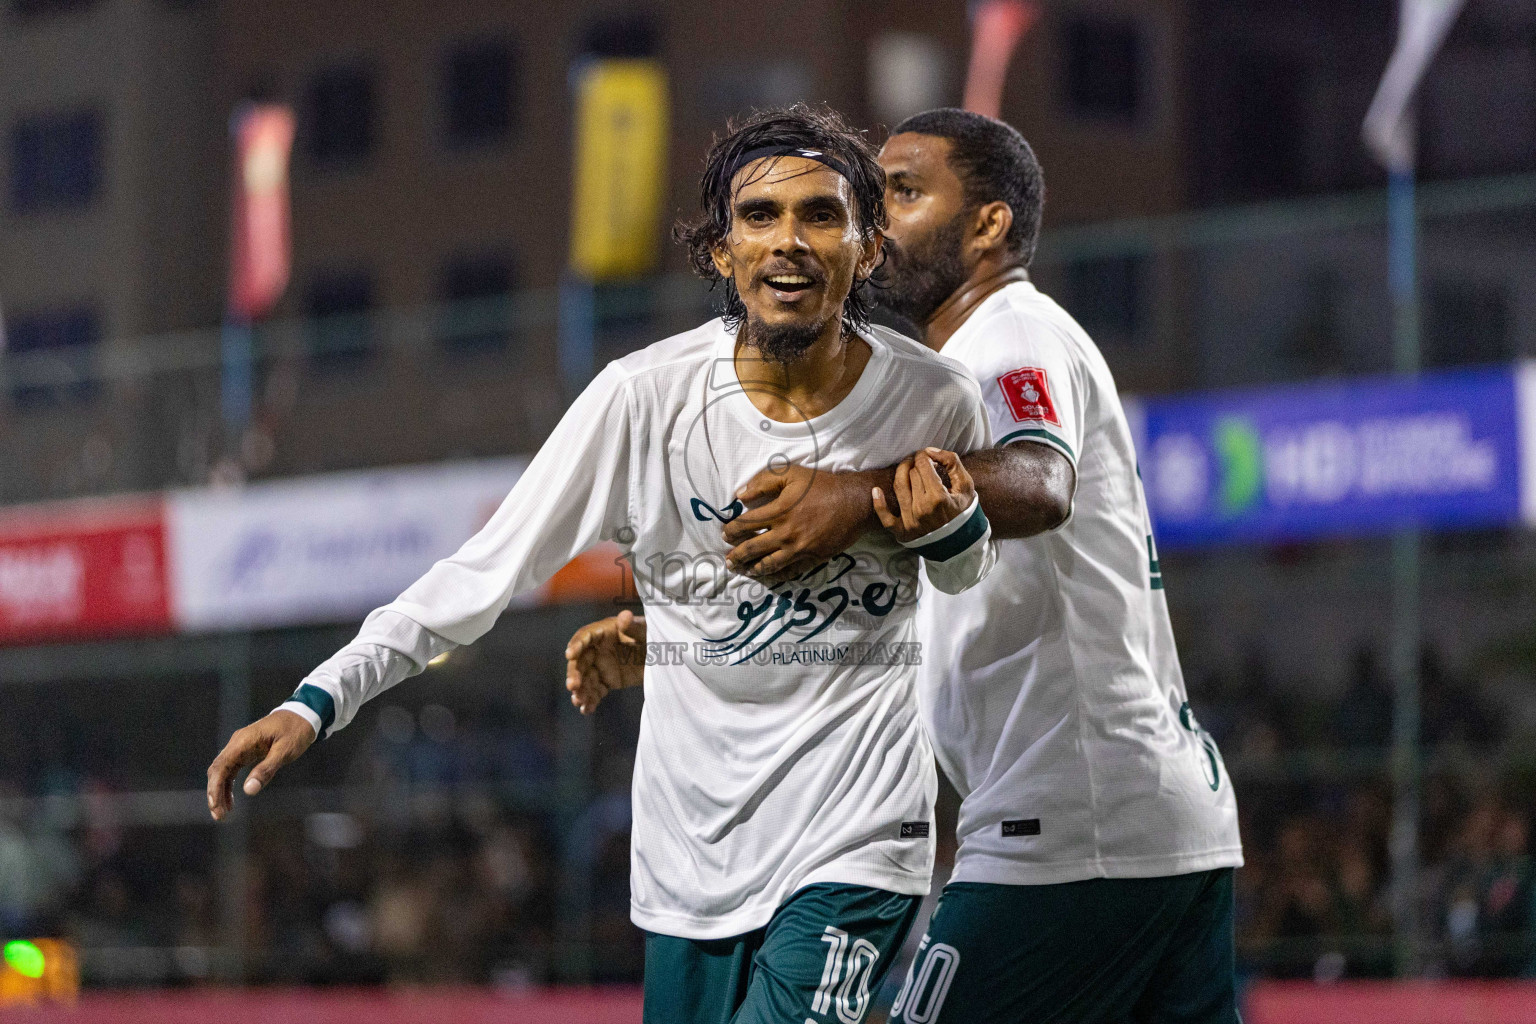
x=620, y=169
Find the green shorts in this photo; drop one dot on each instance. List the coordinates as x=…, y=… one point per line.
x=1100, y=951
x=820, y=959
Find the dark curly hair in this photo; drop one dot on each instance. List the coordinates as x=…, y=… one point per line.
x=802, y=127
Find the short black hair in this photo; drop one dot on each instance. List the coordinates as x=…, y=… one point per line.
x=801, y=127
x=993, y=162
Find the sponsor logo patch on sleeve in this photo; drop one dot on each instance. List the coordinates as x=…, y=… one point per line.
x=1028, y=395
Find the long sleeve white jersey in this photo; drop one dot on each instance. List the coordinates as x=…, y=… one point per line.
x=1052, y=691
x=780, y=744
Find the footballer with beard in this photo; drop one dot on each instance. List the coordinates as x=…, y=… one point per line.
x=1097, y=827
x=783, y=783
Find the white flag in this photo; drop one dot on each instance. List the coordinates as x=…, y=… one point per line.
x=1388, y=130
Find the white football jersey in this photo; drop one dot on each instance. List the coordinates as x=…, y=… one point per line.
x=780, y=743
x=1052, y=691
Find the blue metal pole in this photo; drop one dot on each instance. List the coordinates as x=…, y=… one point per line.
x=1402, y=242
x=235, y=377
x=578, y=332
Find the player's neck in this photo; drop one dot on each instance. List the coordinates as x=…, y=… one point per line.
x=807, y=386
x=986, y=279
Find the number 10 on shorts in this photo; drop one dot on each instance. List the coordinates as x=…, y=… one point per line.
x=845, y=990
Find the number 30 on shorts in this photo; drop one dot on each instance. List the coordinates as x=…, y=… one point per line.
x=846, y=990
x=922, y=994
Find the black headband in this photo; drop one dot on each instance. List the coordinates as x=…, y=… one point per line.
x=761, y=152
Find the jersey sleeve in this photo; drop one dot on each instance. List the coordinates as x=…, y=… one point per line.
x=573, y=494
x=1031, y=386
x=959, y=554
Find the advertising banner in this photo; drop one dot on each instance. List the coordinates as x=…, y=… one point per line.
x=1525, y=390
x=1444, y=451
x=621, y=163
x=997, y=26
x=321, y=549
x=259, y=228
x=83, y=569
x=1441, y=451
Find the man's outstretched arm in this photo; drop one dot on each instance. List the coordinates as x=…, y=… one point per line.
x=270, y=742
x=573, y=494
x=804, y=516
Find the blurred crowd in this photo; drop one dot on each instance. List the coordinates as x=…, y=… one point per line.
x=453, y=855
x=450, y=863
x=1317, y=897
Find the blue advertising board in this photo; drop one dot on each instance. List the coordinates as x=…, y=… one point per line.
x=1441, y=451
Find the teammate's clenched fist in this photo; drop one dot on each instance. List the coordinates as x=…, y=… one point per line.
x=273, y=741
x=604, y=656
x=926, y=502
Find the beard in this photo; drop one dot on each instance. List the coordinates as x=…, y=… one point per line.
x=782, y=343
x=917, y=279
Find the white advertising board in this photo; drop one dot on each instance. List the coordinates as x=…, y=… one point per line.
x=320, y=549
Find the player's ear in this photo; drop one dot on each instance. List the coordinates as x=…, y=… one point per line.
x=870, y=258
x=992, y=223
x=722, y=259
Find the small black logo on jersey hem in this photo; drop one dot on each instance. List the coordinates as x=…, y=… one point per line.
x=914, y=830
x=1022, y=827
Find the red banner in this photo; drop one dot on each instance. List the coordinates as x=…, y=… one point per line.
x=81, y=570
x=259, y=242
x=996, y=28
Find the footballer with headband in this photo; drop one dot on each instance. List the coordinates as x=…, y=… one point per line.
x=783, y=786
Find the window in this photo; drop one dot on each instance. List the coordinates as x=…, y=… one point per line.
x=1107, y=296
x=1102, y=64
x=55, y=161
x=341, y=329
x=736, y=88
x=1465, y=322
x=478, y=96
x=59, y=344
x=340, y=115
x=1265, y=141
x=629, y=35
x=52, y=330
x=477, y=291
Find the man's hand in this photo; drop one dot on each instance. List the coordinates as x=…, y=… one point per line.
x=797, y=518
x=926, y=503
x=604, y=656
x=273, y=741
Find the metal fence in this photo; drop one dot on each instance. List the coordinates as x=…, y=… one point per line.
x=1214, y=298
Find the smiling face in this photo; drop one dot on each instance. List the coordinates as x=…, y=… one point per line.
x=794, y=251
x=926, y=259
